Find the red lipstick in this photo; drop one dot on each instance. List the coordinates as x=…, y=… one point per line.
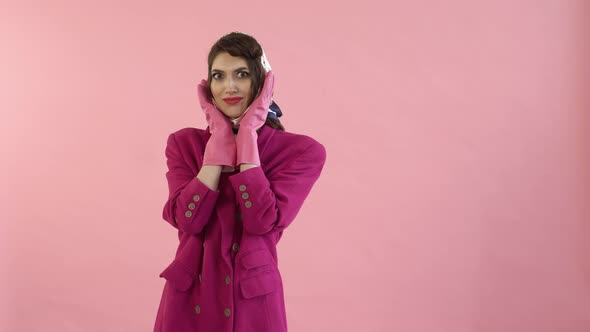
x=232, y=100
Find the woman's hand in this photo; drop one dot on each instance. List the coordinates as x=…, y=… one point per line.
x=256, y=114
x=221, y=147
x=253, y=119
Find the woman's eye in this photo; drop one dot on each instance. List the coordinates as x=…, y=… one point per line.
x=245, y=74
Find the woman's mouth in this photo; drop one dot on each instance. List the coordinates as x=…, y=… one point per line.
x=233, y=100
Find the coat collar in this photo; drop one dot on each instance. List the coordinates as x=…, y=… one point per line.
x=265, y=133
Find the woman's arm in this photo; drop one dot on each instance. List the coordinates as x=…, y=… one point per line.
x=191, y=200
x=244, y=167
x=271, y=204
x=209, y=175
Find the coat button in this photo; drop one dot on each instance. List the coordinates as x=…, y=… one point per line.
x=227, y=280
x=245, y=195
x=191, y=206
x=198, y=309
x=248, y=204
x=188, y=214
x=227, y=312
x=235, y=247
x=196, y=198
x=242, y=187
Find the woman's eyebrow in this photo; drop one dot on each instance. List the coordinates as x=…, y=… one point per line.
x=221, y=71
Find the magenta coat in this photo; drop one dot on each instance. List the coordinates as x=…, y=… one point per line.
x=225, y=276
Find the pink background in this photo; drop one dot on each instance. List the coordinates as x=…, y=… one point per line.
x=454, y=197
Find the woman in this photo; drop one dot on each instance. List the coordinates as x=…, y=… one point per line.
x=233, y=189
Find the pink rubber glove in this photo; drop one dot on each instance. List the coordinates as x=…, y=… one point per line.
x=253, y=119
x=221, y=147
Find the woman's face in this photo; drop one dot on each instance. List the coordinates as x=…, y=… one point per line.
x=230, y=77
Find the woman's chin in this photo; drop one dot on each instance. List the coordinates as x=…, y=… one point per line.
x=233, y=115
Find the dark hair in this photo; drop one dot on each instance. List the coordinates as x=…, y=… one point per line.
x=245, y=46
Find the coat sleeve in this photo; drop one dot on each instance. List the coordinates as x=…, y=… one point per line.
x=190, y=202
x=272, y=204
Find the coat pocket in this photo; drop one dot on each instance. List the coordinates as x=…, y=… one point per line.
x=257, y=258
x=261, y=284
x=179, y=276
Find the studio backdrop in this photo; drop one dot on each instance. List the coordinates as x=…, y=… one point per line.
x=454, y=195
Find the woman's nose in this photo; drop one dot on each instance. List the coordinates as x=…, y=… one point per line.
x=230, y=84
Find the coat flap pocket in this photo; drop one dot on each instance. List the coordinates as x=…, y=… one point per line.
x=259, y=285
x=178, y=275
x=257, y=258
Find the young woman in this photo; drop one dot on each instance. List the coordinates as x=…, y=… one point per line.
x=233, y=189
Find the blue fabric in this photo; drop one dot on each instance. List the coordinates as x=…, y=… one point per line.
x=274, y=111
